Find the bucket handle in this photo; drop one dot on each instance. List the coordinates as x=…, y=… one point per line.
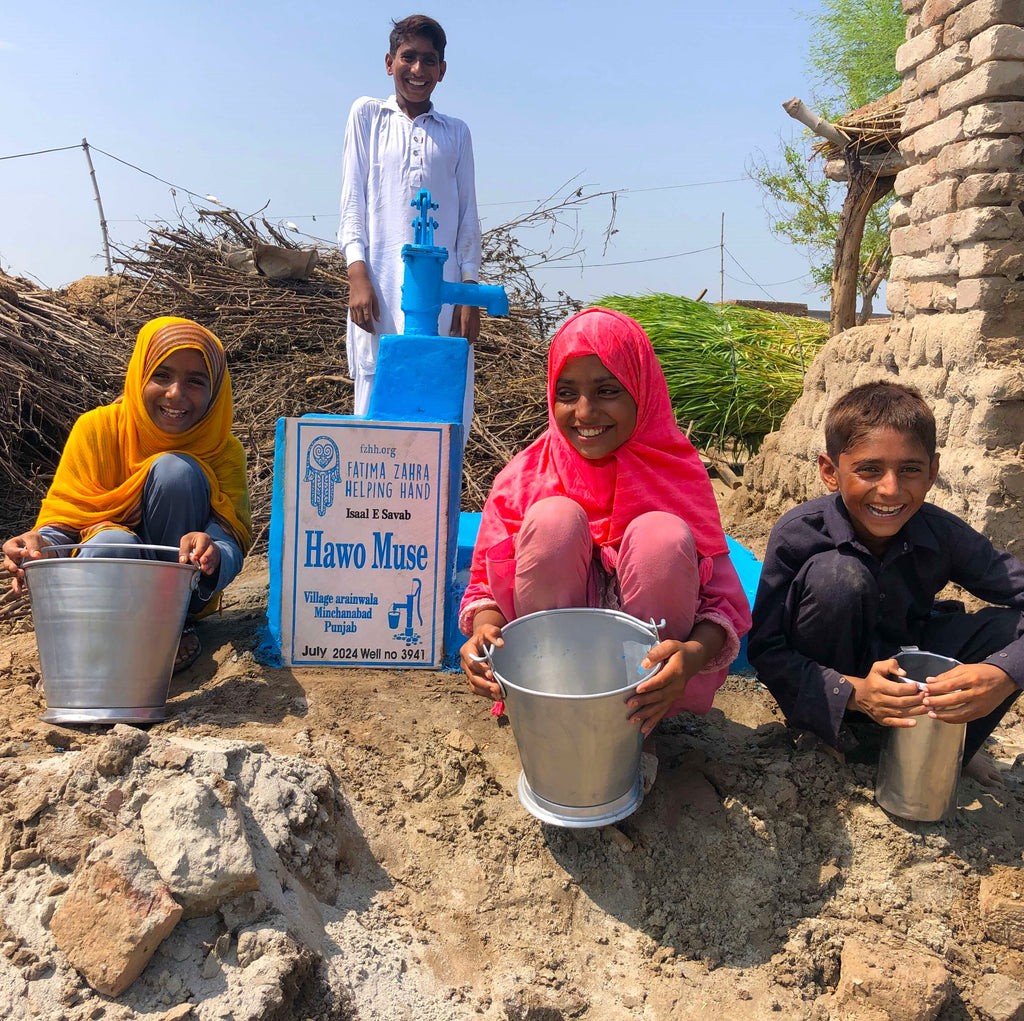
x=193, y=580
x=655, y=628
x=486, y=658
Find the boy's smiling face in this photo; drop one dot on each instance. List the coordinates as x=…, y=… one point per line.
x=883, y=480
x=417, y=68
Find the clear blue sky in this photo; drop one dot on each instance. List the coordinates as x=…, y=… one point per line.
x=247, y=101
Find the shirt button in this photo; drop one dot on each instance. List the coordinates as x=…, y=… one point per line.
x=835, y=691
x=1002, y=655
x=881, y=596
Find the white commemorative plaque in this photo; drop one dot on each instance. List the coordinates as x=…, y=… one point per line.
x=364, y=542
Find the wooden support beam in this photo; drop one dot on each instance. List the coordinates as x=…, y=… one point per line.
x=798, y=111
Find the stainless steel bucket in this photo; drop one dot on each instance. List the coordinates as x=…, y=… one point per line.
x=107, y=630
x=565, y=677
x=919, y=766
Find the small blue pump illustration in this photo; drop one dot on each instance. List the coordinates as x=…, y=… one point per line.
x=425, y=290
x=410, y=604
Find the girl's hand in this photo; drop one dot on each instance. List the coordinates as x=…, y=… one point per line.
x=199, y=549
x=29, y=544
x=680, y=661
x=967, y=692
x=888, y=702
x=486, y=631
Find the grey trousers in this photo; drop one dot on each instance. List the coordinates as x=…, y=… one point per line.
x=175, y=501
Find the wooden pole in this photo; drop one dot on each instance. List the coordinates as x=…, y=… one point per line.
x=864, y=190
x=99, y=202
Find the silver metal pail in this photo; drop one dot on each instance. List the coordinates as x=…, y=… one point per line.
x=107, y=631
x=919, y=766
x=565, y=677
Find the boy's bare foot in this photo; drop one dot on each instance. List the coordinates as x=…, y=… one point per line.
x=984, y=768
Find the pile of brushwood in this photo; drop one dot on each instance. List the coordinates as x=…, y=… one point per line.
x=732, y=372
x=64, y=352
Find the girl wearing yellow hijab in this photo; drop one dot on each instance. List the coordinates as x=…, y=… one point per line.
x=158, y=466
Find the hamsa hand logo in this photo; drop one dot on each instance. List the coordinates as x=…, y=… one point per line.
x=323, y=471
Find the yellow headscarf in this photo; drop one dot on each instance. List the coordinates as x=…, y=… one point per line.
x=109, y=452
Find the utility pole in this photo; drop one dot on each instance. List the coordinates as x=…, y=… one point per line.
x=721, y=264
x=103, y=222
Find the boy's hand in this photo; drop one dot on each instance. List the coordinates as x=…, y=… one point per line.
x=198, y=548
x=29, y=545
x=888, y=702
x=363, y=307
x=465, y=322
x=967, y=692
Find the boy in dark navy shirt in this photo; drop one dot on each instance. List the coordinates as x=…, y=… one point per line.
x=851, y=577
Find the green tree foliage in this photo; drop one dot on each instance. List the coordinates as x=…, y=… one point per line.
x=804, y=210
x=851, y=61
x=852, y=57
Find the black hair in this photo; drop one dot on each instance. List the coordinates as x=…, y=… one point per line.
x=414, y=25
x=879, y=405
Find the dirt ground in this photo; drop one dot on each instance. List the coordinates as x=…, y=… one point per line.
x=730, y=893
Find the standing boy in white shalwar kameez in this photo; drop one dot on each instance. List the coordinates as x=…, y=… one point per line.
x=393, y=148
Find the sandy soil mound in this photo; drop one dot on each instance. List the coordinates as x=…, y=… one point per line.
x=392, y=873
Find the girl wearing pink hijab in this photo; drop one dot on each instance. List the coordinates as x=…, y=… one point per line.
x=610, y=507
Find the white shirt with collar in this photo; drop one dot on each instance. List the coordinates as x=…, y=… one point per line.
x=387, y=159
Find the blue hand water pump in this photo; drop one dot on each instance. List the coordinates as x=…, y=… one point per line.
x=425, y=290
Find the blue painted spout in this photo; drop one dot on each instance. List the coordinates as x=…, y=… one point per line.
x=490, y=296
x=425, y=290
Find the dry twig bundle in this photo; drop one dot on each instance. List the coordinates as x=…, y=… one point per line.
x=55, y=363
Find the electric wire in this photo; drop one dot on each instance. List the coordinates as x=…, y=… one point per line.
x=544, y=264
x=40, y=152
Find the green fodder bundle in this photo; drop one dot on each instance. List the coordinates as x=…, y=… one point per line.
x=732, y=372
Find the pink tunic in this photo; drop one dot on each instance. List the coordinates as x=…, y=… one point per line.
x=655, y=470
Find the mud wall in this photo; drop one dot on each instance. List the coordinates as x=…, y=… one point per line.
x=956, y=289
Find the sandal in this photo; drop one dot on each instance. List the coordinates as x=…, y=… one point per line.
x=189, y=648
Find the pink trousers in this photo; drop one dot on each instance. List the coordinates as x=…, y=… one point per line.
x=657, y=573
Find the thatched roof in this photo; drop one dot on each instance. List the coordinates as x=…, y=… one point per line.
x=874, y=132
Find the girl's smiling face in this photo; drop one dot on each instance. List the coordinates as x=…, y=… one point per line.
x=177, y=395
x=592, y=409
